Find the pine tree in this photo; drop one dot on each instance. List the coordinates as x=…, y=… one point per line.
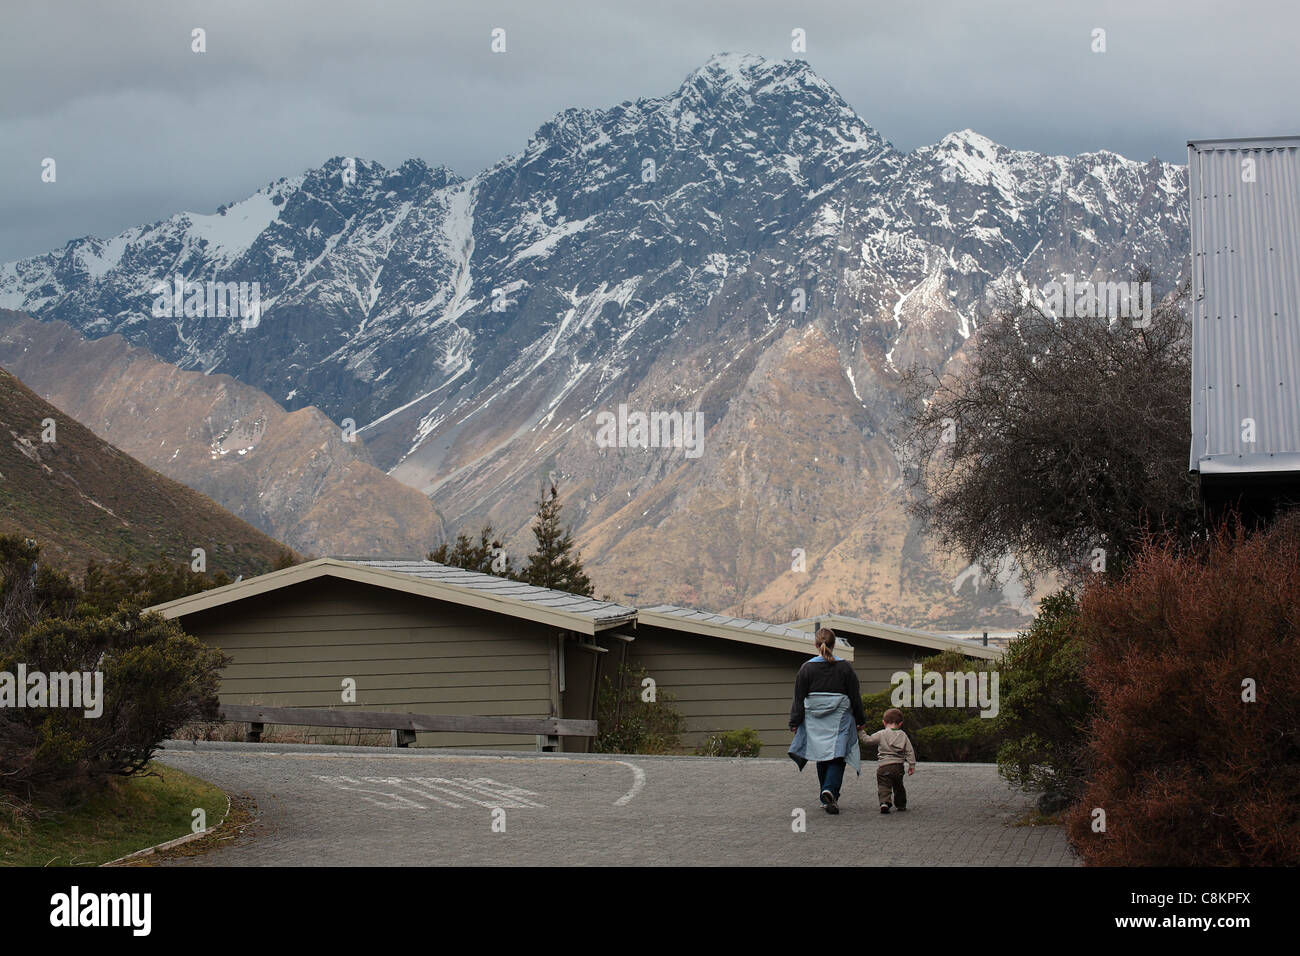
x=487, y=556
x=555, y=564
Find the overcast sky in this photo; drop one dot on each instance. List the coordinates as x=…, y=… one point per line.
x=141, y=127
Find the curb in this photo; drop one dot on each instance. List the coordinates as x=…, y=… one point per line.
x=149, y=851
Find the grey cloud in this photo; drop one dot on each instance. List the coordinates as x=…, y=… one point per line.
x=141, y=127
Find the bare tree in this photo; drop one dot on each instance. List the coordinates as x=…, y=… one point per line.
x=1060, y=441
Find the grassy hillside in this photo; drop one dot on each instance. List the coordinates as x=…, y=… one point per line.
x=83, y=499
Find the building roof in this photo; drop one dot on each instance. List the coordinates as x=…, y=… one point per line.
x=996, y=638
x=557, y=608
x=1245, y=224
x=840, y=623
x=781, y=636
x=426, y=579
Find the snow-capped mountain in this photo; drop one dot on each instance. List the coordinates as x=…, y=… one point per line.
x=746, y=248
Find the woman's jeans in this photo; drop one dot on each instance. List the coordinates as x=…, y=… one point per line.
x=830, y=775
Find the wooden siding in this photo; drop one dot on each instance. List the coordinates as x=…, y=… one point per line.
x=293, y=648
x=877, y=660
x=728, y=685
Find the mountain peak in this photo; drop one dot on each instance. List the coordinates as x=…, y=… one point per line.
x=969, y=141
x=749, y=90
x=749, y=72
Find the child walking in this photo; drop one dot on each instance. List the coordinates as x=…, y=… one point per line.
x=895, y=749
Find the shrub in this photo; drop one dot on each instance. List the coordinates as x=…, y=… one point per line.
x=106, y=587
x=731, y=743
x=29, y=590
x=971, y=741
x=155, y=679
x=630, y=725
x=935, y=745
x=1045, y=706
x=1188, y=769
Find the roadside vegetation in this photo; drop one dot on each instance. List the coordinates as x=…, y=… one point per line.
x=146, y=676
x=125, y=815
x=1154, y=702
x=631, y=720
x=947, y=734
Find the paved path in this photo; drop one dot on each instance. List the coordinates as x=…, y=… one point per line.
x=359, y=805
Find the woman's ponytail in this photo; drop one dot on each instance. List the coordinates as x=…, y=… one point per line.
x=825, y=641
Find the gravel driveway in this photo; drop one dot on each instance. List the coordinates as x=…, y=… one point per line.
x=342, y=806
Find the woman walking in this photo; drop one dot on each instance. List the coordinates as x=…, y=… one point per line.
x=825, y=717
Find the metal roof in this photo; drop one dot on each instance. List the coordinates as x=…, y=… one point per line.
x=604, y=612
x=426, y=579
x=1245, y=223
x=733, y=628
x=900, y=635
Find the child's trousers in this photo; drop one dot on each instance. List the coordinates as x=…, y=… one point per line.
x=889, y=783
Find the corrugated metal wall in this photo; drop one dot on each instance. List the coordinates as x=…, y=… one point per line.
x=1245, y=218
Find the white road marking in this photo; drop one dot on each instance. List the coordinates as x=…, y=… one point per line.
x=508, y=795
x=496, y=797
x=397, y=801
x=397, y=782
x=637, y=784
x=501, y=791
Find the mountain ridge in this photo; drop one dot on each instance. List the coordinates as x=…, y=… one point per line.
x=667, y=253
x=83, y=499
x=289, y=474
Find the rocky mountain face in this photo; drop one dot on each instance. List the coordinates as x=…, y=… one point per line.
x=290, y=474
x=746, y=249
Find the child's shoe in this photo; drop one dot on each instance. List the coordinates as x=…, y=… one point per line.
x=884, y=808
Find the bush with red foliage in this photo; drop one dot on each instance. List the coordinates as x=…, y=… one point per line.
x=1187, y=772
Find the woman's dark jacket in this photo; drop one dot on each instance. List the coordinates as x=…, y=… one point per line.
x=830, y=677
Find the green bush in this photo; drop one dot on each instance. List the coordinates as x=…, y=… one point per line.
x=974, y=744
x=155, y=679
x=1045, y=704
x=971, y=741
x=731, y=743
x=627, y=724
x=106, y=587
x=29, y=590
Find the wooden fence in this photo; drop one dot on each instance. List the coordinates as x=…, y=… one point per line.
x=405, y=726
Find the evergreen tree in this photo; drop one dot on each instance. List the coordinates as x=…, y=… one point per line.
x=106, y=586
x=486, y=556
x=555, y=564
x=29, y=589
